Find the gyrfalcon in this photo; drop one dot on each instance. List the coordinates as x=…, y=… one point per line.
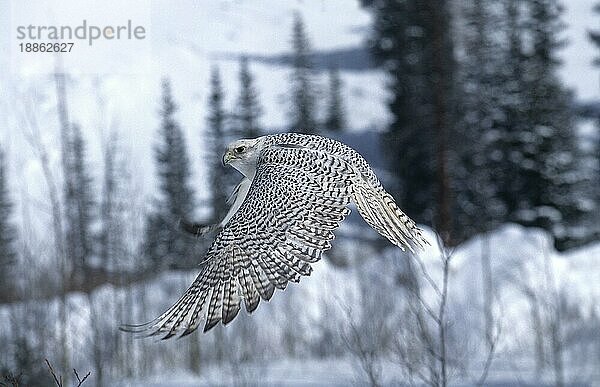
x=295, y=192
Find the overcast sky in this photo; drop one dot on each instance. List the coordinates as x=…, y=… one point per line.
x=578, y=71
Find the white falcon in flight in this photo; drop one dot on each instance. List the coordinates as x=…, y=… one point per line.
x=295, y=192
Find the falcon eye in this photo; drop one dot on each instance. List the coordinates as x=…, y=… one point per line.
x=240, y=149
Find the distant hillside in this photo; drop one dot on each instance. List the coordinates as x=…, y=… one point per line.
x=345, y=59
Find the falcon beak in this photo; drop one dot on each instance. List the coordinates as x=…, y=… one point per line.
x=226, y=158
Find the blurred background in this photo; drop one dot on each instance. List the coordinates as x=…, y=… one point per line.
x=481, y=118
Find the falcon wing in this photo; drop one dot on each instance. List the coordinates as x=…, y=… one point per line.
x=296, y=200
x=376, y=206
x=379, y=210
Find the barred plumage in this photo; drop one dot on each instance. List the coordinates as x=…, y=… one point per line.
x=294, y=194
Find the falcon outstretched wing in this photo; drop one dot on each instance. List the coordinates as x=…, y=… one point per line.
x=296, y=200
x=375, y=205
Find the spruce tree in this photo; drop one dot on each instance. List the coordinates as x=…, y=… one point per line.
x=166, y=244
x=302, y=112
x=547, y=149
x=595, y=178
x=335, y=120
x=511, y=107
x=411, y=40
x=217, y=137
x=525, y=165
x=476, y=166
x=408, y=142
x=108, y=204
x=248, y=105
x=80, y=224
x=156, y=236
x=8, y=232
x=112, y=239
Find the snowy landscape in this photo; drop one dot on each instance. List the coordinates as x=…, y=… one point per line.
x=503, y=296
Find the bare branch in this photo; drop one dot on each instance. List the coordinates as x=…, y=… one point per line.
x=426, y=275
x=489, y=358
x=446, y=257
x=56, y=379
x=424, y=304
x=365, y=338
x=431, y=336
x=79, y=380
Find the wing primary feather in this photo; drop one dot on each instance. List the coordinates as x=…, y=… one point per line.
x=214, y=313
x=249, y=292
x=262, y=283
x=231, y=301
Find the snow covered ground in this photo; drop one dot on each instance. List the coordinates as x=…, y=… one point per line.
x=522, y=260
x=527, y=274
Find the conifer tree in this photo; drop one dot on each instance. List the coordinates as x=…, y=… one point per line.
x=512, y=118
x=335, y=120
x=302, y=113
x=112, y=241
x=166, y=244
x=80, y=234
x=108, y=204
x=595, y=178
x=476, y=167
x=415, y=168
x=8, y=232
x=248, y=105
x=156, y=235
x=547, y=149
x=411, y=40
x=524, y=165
x=217, y=137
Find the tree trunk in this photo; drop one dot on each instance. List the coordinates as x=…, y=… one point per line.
x=441, y=99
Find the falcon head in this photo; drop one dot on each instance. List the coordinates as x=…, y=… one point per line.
x=243, y=155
